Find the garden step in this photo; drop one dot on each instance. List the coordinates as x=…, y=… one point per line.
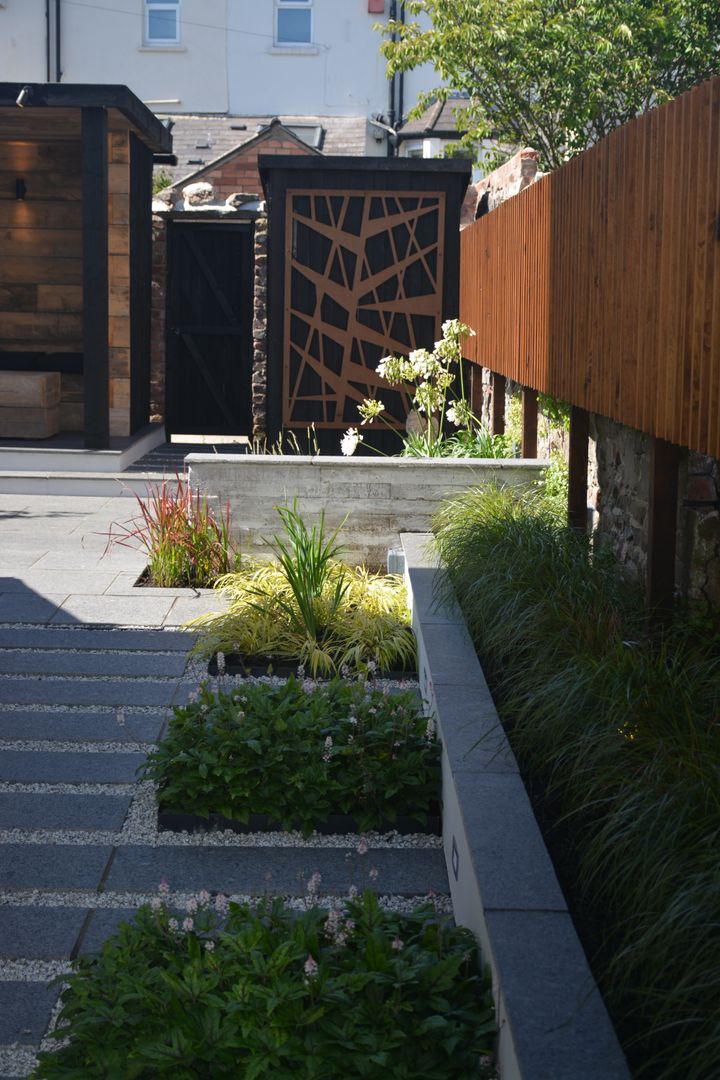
x=62, y=810
x=16, y=661
x=58, y=637
x=53, y=867
x=58, y=691
x=39, y=933
x=71, y=767
x=84, y=727
x=256, y=871
x=25, y=1009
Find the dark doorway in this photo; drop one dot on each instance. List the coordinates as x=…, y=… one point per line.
x=209, y=328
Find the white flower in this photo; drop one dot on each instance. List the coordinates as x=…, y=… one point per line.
x=187, y=925
x=314, y=883
x=311, y=967
x=369, y=409
x=173, y=925
x=362, y=847
x=327, y=753
x=209, y=945
x=397, y=943
x=120, y=718
x=221, y=663
x=350, y=442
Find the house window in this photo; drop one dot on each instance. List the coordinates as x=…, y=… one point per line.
x=293, y=22
x=162, y=22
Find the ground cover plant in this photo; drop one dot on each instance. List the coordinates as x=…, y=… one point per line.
x=186, y=544
x=270, y=992
x=308, y=606
x=299, y=755
x=615, y=723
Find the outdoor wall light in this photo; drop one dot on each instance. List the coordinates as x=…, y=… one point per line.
x=24, y=97
x=20, y=189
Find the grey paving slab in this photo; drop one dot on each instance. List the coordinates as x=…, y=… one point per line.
x=515, y=875
x=122, y=560
x=39, y=933
x=185, y=609
x=431, y=602
x=28, y=607
x=80, y=726
x=103, y=924
x=25, y=1010
x=117, y=610
x=58, y=637
x=57, y=662
x=19, y=558
x=448, y=650
x=257, y=871
x=52, y=866
x=125, y=585
x=48, y=767
x=59, y=581
x=544, y=978
x=35, y=810
x=58, y=691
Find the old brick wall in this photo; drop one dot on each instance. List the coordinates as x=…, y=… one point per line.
x=239, y=172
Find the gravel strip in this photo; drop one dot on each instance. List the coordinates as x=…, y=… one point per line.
x=17, y=1060
x=46, y=649
x=60, y=747
x=68, y=710
x=33, y=970
x=68, y=789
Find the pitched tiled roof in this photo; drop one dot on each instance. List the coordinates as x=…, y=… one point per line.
x=441, y=120
x=200, y=140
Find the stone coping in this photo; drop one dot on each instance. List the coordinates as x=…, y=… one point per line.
x=376, y=461
x=552, y=1019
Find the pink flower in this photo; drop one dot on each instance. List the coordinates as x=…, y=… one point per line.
x=173, y=925
x=311, y=968
x=362, y=848
x=373, y=873
x=163, y=887
x=221, y=903
x=120, y=717
x=203, y=896
x=188, y=925
x=313, y=883
x=397, y=943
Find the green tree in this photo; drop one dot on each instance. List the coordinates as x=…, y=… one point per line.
x=557, y=75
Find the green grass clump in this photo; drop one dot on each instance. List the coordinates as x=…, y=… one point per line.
x=299, y=755
x=308, y=606
x=616, y=722
x=275, y=993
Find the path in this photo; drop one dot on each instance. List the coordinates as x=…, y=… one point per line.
x=82, y=697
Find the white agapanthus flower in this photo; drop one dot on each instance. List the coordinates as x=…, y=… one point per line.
x=350, y=442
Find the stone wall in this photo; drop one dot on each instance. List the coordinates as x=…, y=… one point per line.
x=618, y=489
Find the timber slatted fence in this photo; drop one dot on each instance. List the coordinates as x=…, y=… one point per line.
x=600, y=284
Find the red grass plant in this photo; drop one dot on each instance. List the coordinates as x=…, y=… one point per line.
x=186, y=544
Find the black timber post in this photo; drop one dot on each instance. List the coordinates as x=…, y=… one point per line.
x=95, y=277
x=529, y=422
x=498, y=404
x=577, y=468
x=662, y=526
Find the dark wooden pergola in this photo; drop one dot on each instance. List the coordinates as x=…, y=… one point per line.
x=75, y=264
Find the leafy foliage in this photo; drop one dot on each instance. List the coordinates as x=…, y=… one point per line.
x=186, y=544
x=310, y=607
x=557, y=76
x=478, y=443
x=273, y=993
x=299, y=755
x=616, y=722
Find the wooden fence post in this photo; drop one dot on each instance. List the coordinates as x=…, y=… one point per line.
x=529, y=422
x=662, y=525
x=577, y=471
x=498, y=404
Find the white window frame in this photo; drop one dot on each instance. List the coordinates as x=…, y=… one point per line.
x=293, y=5
x=160, y=5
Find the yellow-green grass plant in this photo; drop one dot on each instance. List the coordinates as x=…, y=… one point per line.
x=615, y=723
x=310, y=607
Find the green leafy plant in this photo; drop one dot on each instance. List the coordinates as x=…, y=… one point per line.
x=615, y=722
x=299, y=755
x=311, y=608
x=269, y=992
x=185, y=543
x=438, y=397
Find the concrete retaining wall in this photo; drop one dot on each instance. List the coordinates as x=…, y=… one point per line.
x=553, y=1022
x=382, y=496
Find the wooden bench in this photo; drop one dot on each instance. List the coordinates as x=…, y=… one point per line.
x=29, y=404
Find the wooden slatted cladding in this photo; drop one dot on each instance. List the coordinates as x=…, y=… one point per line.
x=600, y=284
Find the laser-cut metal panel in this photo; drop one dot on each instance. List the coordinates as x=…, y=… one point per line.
x=363, y=278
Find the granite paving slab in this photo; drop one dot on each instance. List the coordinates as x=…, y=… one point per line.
x=85, y=727
x=121, y=559
x=28, y=607
x=58, y=637
x=25, y=1010
x=262, y=870
x=39, y=933
x=52, y=866
x=64, y=581
x=117, y=610
x=20, y=559
x=58, y=691
x=71, y=767
x=61, y=810
x=59, y=662
x=185, y=608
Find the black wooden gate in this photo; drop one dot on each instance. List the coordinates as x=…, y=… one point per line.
x=209, y=328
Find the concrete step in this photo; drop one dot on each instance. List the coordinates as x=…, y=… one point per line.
x=86, y=663
x=105, y=485
x=68, y=691
x=73, y=726
x=66, y=454
x=50, y=637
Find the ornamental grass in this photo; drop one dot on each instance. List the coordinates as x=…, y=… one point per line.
x=616, y=725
